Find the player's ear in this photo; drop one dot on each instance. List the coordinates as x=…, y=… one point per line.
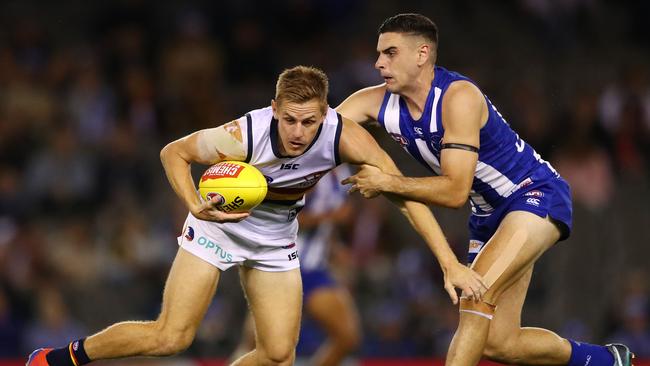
x=424, y=52
x=274, y=107
x=323, y=110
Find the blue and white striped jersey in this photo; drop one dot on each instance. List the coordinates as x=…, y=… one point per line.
x=505, y=162
x=327, y=196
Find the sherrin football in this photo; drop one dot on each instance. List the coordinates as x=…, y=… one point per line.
x=234, y=185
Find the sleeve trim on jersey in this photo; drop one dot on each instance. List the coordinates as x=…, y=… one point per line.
x=249, y=135
x=382, y=109
x=337, y=139
x=465, y=147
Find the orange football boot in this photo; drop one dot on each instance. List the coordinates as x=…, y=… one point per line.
x=37, y=358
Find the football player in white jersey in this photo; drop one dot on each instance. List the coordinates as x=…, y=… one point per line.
x=473, y=152
x=293, y=143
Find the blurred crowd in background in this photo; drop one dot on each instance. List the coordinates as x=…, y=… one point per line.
x=91, y=91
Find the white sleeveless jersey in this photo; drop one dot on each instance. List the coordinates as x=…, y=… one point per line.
x=273, y=222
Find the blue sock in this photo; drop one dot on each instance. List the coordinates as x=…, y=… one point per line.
x=585, y=354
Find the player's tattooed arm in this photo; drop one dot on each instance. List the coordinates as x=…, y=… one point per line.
x=357, y=146
x=212, y=145
x=221, y=143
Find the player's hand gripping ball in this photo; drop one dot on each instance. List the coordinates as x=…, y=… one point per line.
x=233, y=185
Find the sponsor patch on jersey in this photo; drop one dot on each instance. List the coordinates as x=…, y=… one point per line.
x=222, y=170
x=534, y=193
x=218, y=250
x=312, y=179
x=524, y=183
x=189, y=233
x=403, y=141
x=289, y=246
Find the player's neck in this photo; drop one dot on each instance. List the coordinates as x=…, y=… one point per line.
x=415, y=95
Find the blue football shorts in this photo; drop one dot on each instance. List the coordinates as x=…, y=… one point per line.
x=550, y=198
x=314, y=279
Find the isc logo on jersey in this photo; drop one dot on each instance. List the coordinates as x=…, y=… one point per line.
x=233, y=186
x=289, y=166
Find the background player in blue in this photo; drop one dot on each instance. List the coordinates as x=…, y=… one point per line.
x=520, y=205
x=325, y=301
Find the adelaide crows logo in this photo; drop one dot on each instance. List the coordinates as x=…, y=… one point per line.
x=189, y=233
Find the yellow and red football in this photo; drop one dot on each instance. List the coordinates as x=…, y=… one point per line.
x=234, y=185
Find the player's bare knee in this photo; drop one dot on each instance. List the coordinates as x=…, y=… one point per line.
x=173, y=341
x=276, y=359
x=279, y=353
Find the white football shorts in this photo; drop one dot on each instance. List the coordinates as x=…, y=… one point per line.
x=208, y=241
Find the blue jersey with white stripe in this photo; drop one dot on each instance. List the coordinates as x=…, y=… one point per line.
x=505, y=161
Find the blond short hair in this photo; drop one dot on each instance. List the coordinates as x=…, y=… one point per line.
x=301, y=84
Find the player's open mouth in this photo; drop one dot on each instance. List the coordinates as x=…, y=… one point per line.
x=388, y=79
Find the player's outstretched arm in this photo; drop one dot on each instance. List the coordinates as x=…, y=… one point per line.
x=463, y=110
x=206, y=147
x=357, y=146
x=363, y=105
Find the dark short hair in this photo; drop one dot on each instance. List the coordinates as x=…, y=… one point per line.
x=412, y=24
x=301, y=84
